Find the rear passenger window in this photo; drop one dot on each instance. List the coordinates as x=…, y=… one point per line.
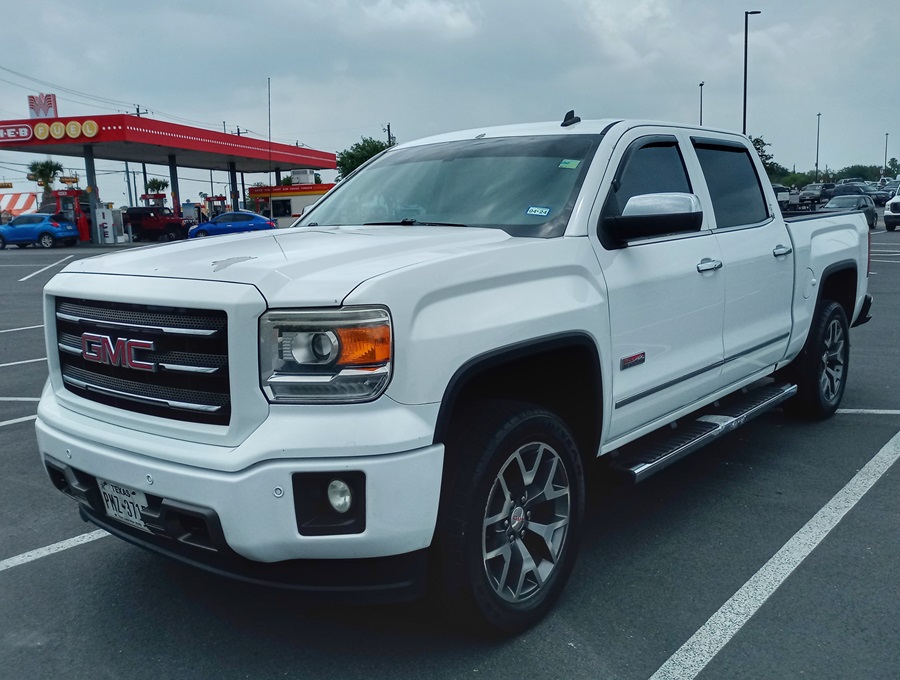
x=734, y=187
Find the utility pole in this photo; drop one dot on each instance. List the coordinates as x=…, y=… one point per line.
x=143, y=165
x=390, y=136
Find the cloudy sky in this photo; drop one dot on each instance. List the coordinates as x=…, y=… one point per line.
x=343, y=69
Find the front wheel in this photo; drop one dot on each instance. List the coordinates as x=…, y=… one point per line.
x=201, y=233
x=46, y=241
x=510, y=518
x=890, y=226
x=821, y=368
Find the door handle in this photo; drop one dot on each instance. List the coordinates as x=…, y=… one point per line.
x=708, y=265
x=781, y=250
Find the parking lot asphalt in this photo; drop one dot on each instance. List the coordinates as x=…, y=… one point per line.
x=660, y=562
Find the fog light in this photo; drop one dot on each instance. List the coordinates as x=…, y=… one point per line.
x=339, y=495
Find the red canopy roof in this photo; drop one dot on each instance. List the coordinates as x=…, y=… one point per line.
x=126, y=137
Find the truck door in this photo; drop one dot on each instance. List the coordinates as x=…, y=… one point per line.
x=666, y=295
x=757, y=257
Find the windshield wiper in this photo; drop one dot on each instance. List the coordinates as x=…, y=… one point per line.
x=410, y=221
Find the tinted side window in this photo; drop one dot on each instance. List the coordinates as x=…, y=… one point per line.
x=734, y=187
x=26, y=219
x=648, y=168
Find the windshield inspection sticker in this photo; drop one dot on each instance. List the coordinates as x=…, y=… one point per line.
x=538, y=210
x=570, y=164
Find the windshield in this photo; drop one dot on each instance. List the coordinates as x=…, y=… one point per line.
x=524, y=185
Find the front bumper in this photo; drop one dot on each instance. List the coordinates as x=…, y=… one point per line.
x=193, y=535
x=245, y=496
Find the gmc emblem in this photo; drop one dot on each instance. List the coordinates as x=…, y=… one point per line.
x=100, y=349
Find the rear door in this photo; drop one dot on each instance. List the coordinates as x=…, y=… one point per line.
x=757, y=257
x=666, y=295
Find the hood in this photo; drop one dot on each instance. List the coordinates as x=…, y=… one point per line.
x=320, y=265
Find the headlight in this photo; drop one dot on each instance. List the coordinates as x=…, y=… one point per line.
x=336, y=356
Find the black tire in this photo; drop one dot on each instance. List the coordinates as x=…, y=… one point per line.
x=2, y=243
x=492, y=520
x=201, y=233
x=172, y=234
x=821, y=368
x=890, y=226
x=46, y=240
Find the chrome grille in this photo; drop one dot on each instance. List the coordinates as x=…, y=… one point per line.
x=184, y=374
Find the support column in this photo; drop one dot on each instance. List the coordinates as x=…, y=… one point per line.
x=277, y=176
x=232, y=177
x=93, y=200
x=173, y=183
x=128, y=184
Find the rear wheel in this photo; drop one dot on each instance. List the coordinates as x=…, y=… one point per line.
x=46, y=240
x=510, y=517
x=172, y=234
x=2, y=243
x=821, y=368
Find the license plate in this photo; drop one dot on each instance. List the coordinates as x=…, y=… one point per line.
x=123, y=504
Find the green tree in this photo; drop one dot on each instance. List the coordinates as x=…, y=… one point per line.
x=893, y=167
x=350, y=159
x=773, y=169
x=866, y=172
x=157, y=185
x=45, y=173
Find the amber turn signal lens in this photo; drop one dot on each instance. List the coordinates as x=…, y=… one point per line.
x=364, y=346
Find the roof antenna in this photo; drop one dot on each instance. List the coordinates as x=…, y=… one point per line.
x=570, y=119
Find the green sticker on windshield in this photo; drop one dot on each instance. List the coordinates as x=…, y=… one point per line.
x=568, y=163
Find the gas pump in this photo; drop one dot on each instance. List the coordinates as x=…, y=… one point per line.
x=216, y=205
x=154, y=200
x=74, y=204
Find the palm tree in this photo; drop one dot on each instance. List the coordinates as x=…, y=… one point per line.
x=156, y=185
x=45, y=172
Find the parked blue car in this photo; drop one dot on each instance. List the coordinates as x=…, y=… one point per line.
x=231, y=223
x=43, y=229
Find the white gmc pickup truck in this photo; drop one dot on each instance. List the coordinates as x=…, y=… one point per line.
x=405, y=387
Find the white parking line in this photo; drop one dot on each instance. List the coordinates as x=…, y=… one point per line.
x=870, y=411
x=23, y=328
x=694, y=655
x=24, y=558
x=25, y=278
x=20, y=398
x=26, y=361
x=4, y=423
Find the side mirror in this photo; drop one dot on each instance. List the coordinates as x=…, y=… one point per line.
x=649, y=215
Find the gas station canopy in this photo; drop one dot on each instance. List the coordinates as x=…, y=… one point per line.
x=127, y=137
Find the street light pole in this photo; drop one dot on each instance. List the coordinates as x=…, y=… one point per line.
x=818, y=120
x=746, y=18
x=885, y=152
x=701, y=101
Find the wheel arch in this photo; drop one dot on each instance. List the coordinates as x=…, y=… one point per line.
x=561, y=373
x=839, y=283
